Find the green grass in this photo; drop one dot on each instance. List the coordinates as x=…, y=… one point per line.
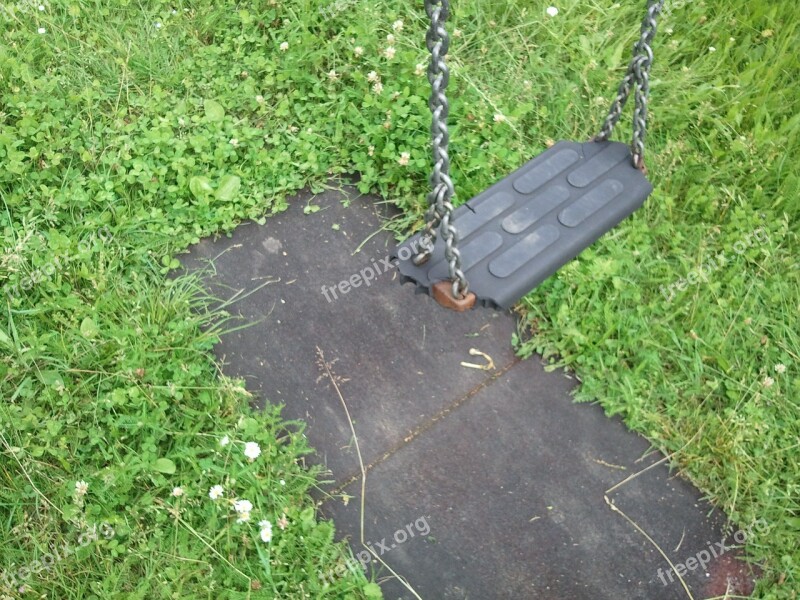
x=122, y=143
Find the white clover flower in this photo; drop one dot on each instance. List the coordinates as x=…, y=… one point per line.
x=780, y=368
x=390, y=52
x=226, y=440
x=333, y=75
x=260, y=100
x=552, y=11
x=233, y=142
x=404, y=158
x=377, y=87
x=420, y=70
x=398, y=25
x=371, y=150
x=712, y=49
x=768, y=381
x=42, y=30
x=390, y=39
x=499, y=118
x=177, y=491
x=252, y=450
x=282, y=482
x=266, y=531
x=81, y=488
x=216, y=492
x=284, y=46
x=243, y=517
x=41, y=8
x=158, y=25
x=358, y=51
x=372, y=77
x=243, y=506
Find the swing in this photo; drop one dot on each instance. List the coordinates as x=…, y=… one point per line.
x=525, y=227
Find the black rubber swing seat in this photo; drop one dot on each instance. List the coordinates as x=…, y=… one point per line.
x=525, y=227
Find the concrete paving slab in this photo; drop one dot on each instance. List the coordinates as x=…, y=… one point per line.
x=402, y=354
x=512, y=487
x=501, y=470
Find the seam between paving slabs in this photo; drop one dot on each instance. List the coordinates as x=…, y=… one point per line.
x=423, y=427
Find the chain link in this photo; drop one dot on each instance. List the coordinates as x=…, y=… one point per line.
x=637, y=78
x=440, y=198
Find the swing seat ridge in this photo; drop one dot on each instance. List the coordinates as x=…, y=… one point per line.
x=522, y=229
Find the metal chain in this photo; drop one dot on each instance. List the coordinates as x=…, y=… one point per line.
x=440, y=198
x=637, y=78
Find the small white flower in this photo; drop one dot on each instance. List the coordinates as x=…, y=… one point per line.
x=226, y=440
x=372, y=77
x=177, y=491
x=174, y=12
x=252, y=450
x=216, y=492
x=81, y=488
x=527, y=84
x=158, y=25
x=333, y=75
x=266, y=531
x=233, y=142
x=398, y=25
x=377, y=87
x=358, y=51
x=390, y=39
x=243, y=506
x=420, y=70
x=42, y=30
x=768, y=381
x=712, y=49
x=41, y=8
x=389, y=52
x=243, y=517
x=780, y=368
x=282, y=482
x=404, y=158
x=371, y=150
x=284, y=46
x=457, y=33
x=552, y=11
x=499, y=118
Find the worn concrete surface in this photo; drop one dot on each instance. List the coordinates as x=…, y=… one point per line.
x=506, y=476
